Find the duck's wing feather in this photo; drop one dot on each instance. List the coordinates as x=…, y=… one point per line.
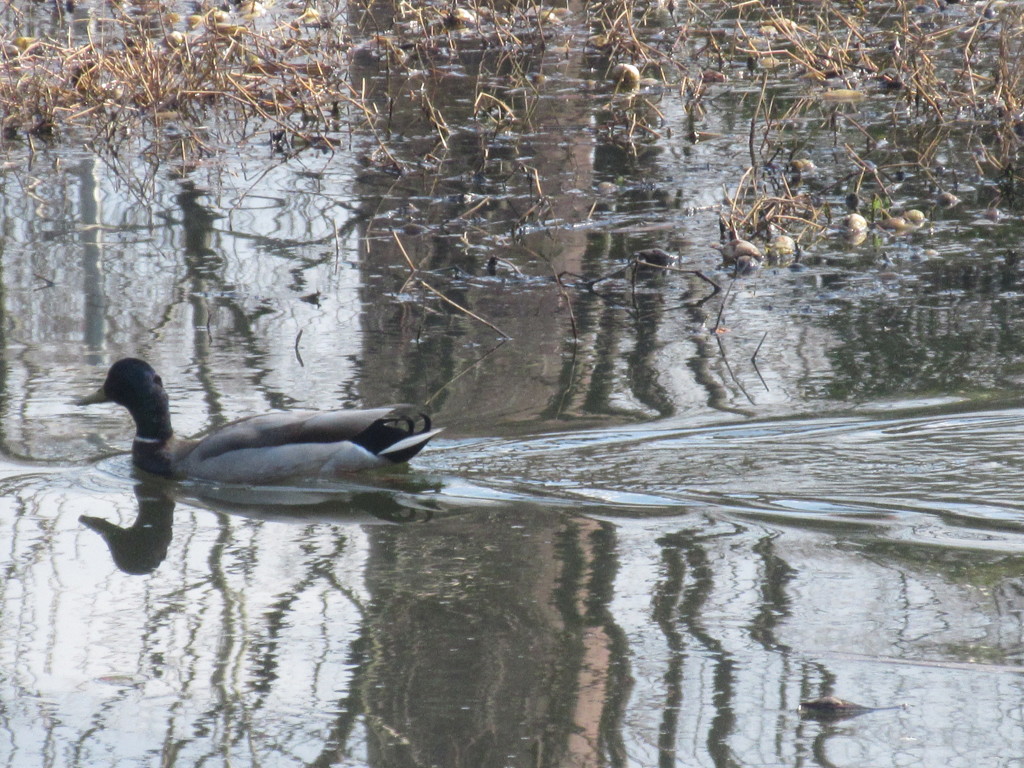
x=273, y=464
x=290, y=428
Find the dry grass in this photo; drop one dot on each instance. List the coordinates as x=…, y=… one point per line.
x=943, y=79
x=138, y=71
x=302, y=77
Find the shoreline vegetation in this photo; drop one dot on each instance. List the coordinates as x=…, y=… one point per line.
x=893, y=89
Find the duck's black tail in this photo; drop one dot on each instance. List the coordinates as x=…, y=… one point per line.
x=396, y=438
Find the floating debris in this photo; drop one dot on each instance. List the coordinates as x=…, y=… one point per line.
x=654, y=257
x=901, y=224
x=854, y=224
x=843, y=94
x=834, y=708
x=803, y=166
x=896, y=224
x=625, y=76
x=737, y=249
x=780, y=251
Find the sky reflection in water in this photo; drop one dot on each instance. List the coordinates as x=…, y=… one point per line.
x=393, y=623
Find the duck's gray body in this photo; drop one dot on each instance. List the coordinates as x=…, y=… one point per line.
x=264, y=449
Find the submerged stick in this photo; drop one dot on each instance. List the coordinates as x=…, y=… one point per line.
x=721, y=309
x=414, y=277
x=464, y=371
x=462, y=309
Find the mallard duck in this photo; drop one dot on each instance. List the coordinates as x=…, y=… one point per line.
x=260, y=449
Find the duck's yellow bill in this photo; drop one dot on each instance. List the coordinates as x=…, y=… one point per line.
x=99, y=396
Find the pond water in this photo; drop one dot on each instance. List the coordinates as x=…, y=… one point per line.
x=667, y=507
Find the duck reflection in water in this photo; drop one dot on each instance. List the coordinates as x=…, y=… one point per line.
x=141, y=547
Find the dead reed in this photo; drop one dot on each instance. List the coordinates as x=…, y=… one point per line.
x=938, y=74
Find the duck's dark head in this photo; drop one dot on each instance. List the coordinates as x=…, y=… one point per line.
x=134, y=384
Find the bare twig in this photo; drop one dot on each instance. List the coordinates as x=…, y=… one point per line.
x=721, y=309
x=462, y=309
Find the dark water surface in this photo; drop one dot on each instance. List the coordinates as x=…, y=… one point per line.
x=659, y=518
